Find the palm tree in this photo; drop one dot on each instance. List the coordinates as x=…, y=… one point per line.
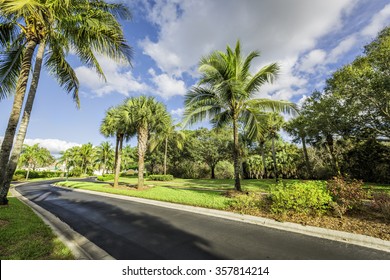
x=169, y=133
x=34, y=156
x=71, y=31
x=144, y=115
x=104, y=152
x=86, y=154
x=113, y=125
x=225, y=94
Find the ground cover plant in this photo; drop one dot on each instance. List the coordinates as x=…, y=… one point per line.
x=25, y=236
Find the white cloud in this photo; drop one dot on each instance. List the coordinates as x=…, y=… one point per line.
x=312, y=59
x=342, y=48
x=281, y=30
x=55, y=146
x=119, y=79
x=177, y=112
x=379, y=21
x=167, y=86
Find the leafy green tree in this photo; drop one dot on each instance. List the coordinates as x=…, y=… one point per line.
x=144, y=115
x=35, y=156
x=104, y=154
x=225, y=94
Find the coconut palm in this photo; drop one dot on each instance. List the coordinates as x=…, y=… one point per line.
x=144, y=115
x=63, y=27
x=226, y=92
x=168, y=134
x=35, y=156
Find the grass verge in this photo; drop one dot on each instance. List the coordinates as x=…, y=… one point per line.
x=24, y=236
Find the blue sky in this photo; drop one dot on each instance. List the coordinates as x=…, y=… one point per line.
x=309, y=39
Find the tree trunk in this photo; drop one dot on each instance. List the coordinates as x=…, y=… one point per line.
x=142, y=146
x=236, y=156
x=165, y=156
x=28, y=172
x=263, y=158
x=308, y=167
x=330, y=146
x=118, y=161
x=17, y=149
x=274, y=159
x=212, y=171
x=116, y=153
x=8, y=140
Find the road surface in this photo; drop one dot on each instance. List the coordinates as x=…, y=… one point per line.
x=133, y=230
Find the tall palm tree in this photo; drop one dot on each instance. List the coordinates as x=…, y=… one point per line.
x=168, y=134
x=104, y=152
x=87, y=154
x=113, y=125
x=86, y=26
x=144, y=115
x=225, y=94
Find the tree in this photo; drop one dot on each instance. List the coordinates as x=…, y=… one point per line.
x=35, y=156
x=62, y=26
x=113, y=125
x=168, y=134
x=103, y=155
x=225, y=94
x=144, y=115
x=215, y=146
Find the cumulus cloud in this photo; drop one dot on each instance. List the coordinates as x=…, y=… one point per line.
x=312, y=59
x=282, y=30
x=55, y=146
x=167, y=86
x=118, y=79
x=177, y=112
x=379, y=21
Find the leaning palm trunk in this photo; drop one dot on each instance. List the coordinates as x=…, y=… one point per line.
x=8, y=140
x=142, y=146
x=17, y=149
x=236, y=157
x=118, y=160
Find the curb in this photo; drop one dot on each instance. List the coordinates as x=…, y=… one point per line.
x=81, y=247
x=341, y=236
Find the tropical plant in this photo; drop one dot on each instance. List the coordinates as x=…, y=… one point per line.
x=168, y=134
x=35, y=156
x=62, y=25
x=144, y=115
x=225, y=94
x=104, y=154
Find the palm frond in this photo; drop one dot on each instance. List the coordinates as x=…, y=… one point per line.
x=10, y=65
x=268, y=105
x=266, y=74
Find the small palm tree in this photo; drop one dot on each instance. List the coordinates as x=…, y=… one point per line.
x=168, y=134
x=103, y=154
x=144, y=115
x=225, y=94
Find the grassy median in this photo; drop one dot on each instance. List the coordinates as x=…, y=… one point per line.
x=24, y=236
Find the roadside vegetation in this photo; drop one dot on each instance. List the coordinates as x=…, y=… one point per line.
x=24, y=236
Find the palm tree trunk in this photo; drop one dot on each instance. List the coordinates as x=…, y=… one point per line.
x=118, y=161
x=165, y=156
x=213, y=171
x=236, y=157
x=8, y=140
x=116, y=152
x=274, y=159
x=262, y=148
x=17, y=149
x=28, y=172
x=308, y=167
x=142, y=146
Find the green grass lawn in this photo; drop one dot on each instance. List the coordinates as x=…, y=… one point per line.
x=24, y=236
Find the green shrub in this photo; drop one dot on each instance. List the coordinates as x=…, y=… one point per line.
x=303, y=197
x=106, y=177
x=21, y=174
x=160, y=177
x=347, y=194
x=381, y=203
x=246, y=203
x=224, y=170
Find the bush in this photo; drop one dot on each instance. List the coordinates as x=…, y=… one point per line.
x=160, y=177
x=303, y=197
x=224, y=170
x=246, y=203
x=347, y=194
x=21, y=174
x=106, y=177
x=381, y=203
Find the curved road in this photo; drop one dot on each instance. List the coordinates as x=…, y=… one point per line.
x=133, y=230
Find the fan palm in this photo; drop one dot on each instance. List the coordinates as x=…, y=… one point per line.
x=225, y=94
x=85, y=26
x=144, y=115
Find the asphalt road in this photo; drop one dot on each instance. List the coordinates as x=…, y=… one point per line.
x=132, y=230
